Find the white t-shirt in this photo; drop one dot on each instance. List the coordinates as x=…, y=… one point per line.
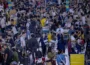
x=60, y=30
x=73, y=39
x=83, y=19
x=71, y=11
x=14, y=30
x=75, y=16
x=64, y=14
x=47, y=22
x=22, y=39
x=53, y=13
x=27, y=25
x=3, y=23
x=68, y=24
x=79, y=40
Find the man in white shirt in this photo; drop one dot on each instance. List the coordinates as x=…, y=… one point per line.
x=83, y=19
x=22, y=39
x=28, y=23
x=53, y=13
x=3, y=24
x=60, y=30
x=14, y=30
x=73, y=41
x=71, y=10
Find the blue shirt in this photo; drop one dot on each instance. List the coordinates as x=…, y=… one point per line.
x=60, y=57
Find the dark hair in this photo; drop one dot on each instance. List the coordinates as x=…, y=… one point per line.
x=87, y=16
x=23, y=32
x=82, y=32
x=82, y=14
x=32, y=35
x=8, y=35
x=72, y=33
x=59, y=51
x=12, y=20
x=13, y=49
x=0, y=40
x=5, y=45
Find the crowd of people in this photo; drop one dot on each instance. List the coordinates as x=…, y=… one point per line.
x=35, y=32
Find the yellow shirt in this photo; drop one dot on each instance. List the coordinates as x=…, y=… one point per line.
x=13, y=22
x=43, y=22
x=81, y=35
x=49, y=37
